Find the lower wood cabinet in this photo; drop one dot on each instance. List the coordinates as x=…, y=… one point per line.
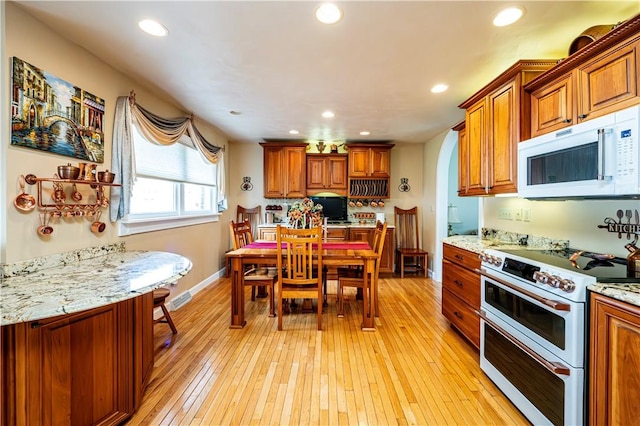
x=86, y=368
x=614, y=378
x=461, y=291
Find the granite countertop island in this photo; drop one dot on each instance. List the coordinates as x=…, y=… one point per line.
x=77, y=281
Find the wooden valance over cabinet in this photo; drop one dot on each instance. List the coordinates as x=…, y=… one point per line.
x=497, y=118
x=284, y=169
x=598, y=79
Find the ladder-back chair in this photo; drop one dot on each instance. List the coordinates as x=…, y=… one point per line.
x=254, y=215
x=352, y=277
x=300, y=266
x=255, y=276
x=408, y=242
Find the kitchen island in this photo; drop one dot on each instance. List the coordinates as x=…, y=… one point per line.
x=77, y=334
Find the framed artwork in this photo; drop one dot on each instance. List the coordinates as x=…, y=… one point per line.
x=52, y=115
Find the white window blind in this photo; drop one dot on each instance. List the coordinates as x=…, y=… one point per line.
x=179, y=162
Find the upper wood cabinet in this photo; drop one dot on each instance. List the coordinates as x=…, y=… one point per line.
x=463, y=148
x=598, y=79
x=369, y=160
x=614, y=362
x=326, y=173
x=284, y=169
x=497, y=117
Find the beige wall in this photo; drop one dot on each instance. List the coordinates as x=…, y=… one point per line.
x=31, y=41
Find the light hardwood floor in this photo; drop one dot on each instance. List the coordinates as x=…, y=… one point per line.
x=414, y=369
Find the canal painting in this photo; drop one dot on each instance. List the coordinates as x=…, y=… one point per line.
x=52, y=115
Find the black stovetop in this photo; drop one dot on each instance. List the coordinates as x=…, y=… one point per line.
x=605, y=268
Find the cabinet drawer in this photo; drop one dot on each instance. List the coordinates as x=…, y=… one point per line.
x=461, y=257
x=461, y=282
x=461, y=316
x=337, y=234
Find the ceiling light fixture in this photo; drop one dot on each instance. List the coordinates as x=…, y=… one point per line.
x=328, y=13
x=234, y=112
x=439, y=88
x=365, y=133
x=293, y=132
x=328, y=114
x=152, y=27
x=507, y=16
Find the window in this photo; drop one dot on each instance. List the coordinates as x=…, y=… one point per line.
x=174, y=187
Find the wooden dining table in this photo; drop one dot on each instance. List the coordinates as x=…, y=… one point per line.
x=343, y=253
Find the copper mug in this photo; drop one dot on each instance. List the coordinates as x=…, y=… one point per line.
x=98, y=227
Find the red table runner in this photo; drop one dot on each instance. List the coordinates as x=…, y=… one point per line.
x=325, y=246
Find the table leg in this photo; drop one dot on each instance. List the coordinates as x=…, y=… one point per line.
x=237, y=293
x=368, y=309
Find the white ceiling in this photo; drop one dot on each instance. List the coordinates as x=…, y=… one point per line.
x=273, y=62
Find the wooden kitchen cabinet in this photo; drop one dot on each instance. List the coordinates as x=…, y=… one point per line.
x=86, y=368
x=461, y=291
x=268, y=234
x=284, y=169
x=497, y=117
x=463, y=156
x=327, y=173
x=369, y=160
x=614, y=382
x=596, y=80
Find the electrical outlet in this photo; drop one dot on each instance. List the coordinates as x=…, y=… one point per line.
x=526, y=214
x=518, y=213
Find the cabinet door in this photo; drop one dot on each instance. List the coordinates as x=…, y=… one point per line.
x=73, y=369
x=502, y=142
x=379, y=162
x=316, y=172
x=295, y=161
x=476, y=126
x=615, y=362
x=268, y=234
x=359, y=161
x=337, y=173
x=609, y=83
x=387, y=256
x=274, y=167
x=463, y=162
x=552, y=106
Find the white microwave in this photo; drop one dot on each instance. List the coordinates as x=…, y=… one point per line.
x=598, y=158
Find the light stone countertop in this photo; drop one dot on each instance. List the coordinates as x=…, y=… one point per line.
x=629, y=293
x=87, y=283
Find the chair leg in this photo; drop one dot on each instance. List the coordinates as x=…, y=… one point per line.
x=401, y=265
x=271, y=302
x=165, y=311
x=426, y=258
x=340, y=300
x=253, y=293
x=280, y=302
x=320, y=308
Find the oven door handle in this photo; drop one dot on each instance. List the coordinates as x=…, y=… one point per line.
x=554, y=367
x=553, y=304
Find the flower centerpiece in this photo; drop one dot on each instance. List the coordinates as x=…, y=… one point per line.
x=305, y=214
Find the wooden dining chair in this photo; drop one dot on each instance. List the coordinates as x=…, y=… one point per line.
x=300, y=263
x=254, y=215
x=255, y=276
x=408, y=242
x=353, y=277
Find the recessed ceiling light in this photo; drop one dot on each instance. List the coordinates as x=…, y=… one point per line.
x=507, y=16
x=293, y=132
x=439, y=88
x=328, y=114
x=328, y=13
x=153, y=28
x=365, y=133
x=234, y=112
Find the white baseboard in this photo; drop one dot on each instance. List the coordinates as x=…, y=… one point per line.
x=157, y=313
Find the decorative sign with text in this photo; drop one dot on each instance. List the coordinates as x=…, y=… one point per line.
x=626, y=223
